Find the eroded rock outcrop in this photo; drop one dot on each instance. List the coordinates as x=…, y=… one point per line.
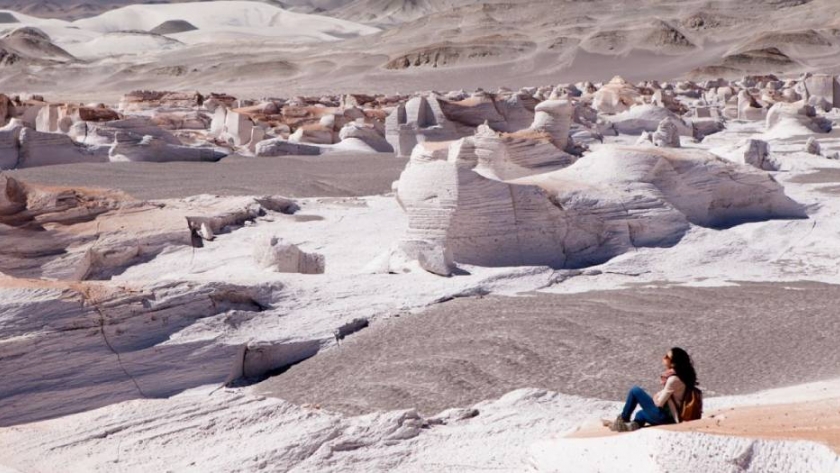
x=133, y=147
x=45, y=149
x=602, y=205
x=10, y=145
x=616, y=96
x=667, y=134
x=366, y=134
x=646, y=118
x=280, y=147
x=272, y=252
x=785, y=120
x=72, y=234
x=140, y=100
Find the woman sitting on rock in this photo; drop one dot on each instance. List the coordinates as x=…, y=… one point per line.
x=664, y=408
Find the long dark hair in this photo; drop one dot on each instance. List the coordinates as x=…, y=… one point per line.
x=683, y=366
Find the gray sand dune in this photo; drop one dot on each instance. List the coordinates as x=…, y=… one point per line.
x=743, y=339
x=332, y=175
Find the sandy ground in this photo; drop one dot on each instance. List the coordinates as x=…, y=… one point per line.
x=595, y=344
x=817, y=421
x=331, y=175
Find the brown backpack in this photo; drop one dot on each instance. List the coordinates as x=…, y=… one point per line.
x=692, y=405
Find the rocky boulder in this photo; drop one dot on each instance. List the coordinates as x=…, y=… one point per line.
x=275, y=254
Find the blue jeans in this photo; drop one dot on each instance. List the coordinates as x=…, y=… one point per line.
x=650, y=412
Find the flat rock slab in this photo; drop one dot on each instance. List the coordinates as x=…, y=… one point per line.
x=598, y=344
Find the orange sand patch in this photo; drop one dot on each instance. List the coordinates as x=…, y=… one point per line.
x=817, y=421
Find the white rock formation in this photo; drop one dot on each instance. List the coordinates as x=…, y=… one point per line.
x=280, y=147
x=645, y=451
x=367, y=134
x=748, y=108
x=554, y=117
x=616, y=96
x=101, y=344
x=757, y=153
x=667, y=134
x=10, y=145
x=506, y=156
x=418, y=120
x=237, y=128
x=600, y=206
x=646, y=118
x=133, y=147
x=786, y=120
x=825, y=87
x=105, y=133
x=44, y=149
x=812, y=146
x=273, y=253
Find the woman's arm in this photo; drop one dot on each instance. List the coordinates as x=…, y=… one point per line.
x=661, y=398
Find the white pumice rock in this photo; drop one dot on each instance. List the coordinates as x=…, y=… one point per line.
x=748, y=108
x=45, y=149
x=280, y=147
x=105, y=133
x=10, y=144
x=667, y=134
x=367, y=134
x=646, y=118
x=133, y=147
x=615, y=97
x=554, y=117
x=271, y=252
x=812, y=146
x=786, y=120
x=237, y=129
x=602, y=205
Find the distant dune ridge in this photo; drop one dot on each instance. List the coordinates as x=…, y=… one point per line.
x=404, y=45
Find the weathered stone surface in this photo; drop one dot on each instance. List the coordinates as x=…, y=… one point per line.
x=314, y=134
x=812, y=146
x=825, y=87
x=44, y=149
x=191, y=120
x=134, y=147
x=273, y=253
x=237, y=129
x=367, y=134
x=785, y=120
x=646, y=118
x=47, y=119
x=616, y=96
x=140, y=100
x=554, y=117
x=10, y=145
x=281, y=147
x=667, y=134
x=106, y=133
x=6, y=109
x=604, y=204
x=748, y=108
x=507, y=156
x=420, y=119
x=97, y=114
x=757, y=153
